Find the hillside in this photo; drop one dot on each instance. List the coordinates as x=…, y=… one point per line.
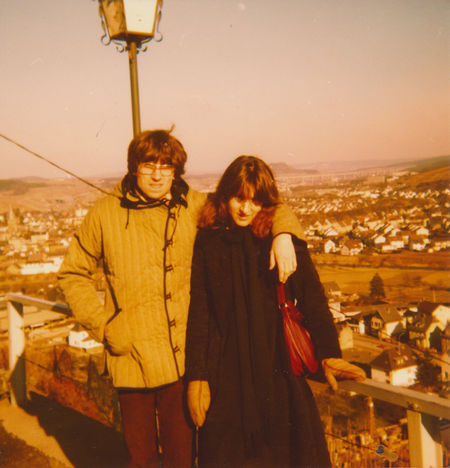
x=432, y=163
x=49, y=195
x=434, y=179
x=423, y=165
x=435, y=260
x=282, y=168
x=65, y=193
x=17, y=187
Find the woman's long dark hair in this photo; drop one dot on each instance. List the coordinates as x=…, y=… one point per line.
x=246, y=177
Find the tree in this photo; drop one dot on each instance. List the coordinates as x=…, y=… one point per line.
x=377, y=287
x=427, y=373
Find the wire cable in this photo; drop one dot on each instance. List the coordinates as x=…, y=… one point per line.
x=53, y=164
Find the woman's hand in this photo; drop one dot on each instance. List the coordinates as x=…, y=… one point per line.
x=336, y=367
x=283, y=255
x=198, y=400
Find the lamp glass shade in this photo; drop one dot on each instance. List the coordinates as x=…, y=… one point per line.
x=140, y=16
x=130, y=19
x=114, y=15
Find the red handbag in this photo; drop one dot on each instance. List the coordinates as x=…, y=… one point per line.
x=298, y=340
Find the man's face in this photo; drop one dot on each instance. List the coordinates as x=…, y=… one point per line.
x=155, y=180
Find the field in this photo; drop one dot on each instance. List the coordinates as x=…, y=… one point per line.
x=400, y=284
x=50, y=195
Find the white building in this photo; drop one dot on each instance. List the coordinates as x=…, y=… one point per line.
x=36, y=268
x=329, y=246
x=395, y=367
x=81, y=339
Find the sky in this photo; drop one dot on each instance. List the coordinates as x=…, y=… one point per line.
x=295, y=81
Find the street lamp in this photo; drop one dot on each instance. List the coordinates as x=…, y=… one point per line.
x=130, y=24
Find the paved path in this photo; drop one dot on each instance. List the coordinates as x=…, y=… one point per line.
x=63, y=434
x=26, y=427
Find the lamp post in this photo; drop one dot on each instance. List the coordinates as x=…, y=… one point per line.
x=130, y=24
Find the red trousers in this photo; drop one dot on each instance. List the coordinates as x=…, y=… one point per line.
x=137, y=407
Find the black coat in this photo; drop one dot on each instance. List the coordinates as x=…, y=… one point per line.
x=277, y=420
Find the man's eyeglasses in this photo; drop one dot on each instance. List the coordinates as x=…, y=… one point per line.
x=150, y=168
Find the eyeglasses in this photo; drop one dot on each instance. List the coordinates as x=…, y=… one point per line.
x=150, y=168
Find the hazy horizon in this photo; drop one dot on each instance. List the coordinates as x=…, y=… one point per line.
x=321, y=167
x=301, y=82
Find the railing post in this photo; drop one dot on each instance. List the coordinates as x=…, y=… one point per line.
x=424, y=437
x=16, y=338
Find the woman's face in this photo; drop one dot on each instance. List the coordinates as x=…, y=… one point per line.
x=243, y=210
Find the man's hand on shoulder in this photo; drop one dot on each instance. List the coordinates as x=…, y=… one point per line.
x=282, y=254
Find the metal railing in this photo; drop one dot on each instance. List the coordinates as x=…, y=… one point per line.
x=16, y=339
x=424, y=411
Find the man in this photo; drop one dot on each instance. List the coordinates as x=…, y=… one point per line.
x=144, y=234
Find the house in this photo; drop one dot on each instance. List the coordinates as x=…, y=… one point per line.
x=79, y=338
x=409, y=316
x=352, y=247
x=318, y=226
x=330, y=232
x=360, y=230
x=310, y=232
x=351, y=317
x=428, y=328
x=356, y=318
x=314, y=245
x=335, y=309
x=39, y=238
x=374, y=224
x=406, y=235
x=445, y=357
x=382, y=320
x=343, y=227
x=34, y=268
x=436, y=223
x=17, y=244
x=332, y=290
x=422, y=231
x=440, y=312
x=441, y=243
x=80, y=212
x=419, y=329
x=416, y=243
x=379, y=240
x=345, y=334
x=395, y=231
x=4, y=234
x=395, y=366
x=329, y=246
x=397, y=242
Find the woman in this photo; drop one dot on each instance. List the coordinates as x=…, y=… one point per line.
x=252, y=410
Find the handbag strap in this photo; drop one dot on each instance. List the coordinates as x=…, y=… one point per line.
x=281, y=295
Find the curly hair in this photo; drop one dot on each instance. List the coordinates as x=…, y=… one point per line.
x=246, y=177
x=159, y=146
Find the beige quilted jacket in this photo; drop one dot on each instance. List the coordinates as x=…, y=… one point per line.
x=146, y=253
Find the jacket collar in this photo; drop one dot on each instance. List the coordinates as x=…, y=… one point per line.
x=132, y=198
